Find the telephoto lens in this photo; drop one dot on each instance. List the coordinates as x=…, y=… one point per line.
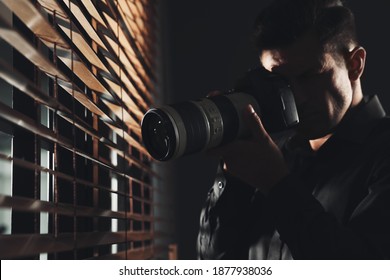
x=189, y=127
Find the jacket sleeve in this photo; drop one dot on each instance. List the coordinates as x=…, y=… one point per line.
x=312, y=233
x=227, y=218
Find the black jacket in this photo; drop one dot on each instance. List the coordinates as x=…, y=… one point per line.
x=335, y=204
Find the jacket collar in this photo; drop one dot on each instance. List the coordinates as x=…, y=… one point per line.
x=358, y=124
x=355, y=127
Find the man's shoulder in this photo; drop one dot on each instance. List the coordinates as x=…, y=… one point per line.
x=379, y=136
x=381, y=127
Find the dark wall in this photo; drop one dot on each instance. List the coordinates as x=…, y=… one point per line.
x=207, y=46
x=373, y=23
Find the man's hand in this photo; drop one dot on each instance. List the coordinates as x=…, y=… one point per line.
x=256, y=161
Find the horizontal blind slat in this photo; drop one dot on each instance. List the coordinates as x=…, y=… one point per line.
x=76, y=65
x=35, y=244
x=18, y=42
x=25, y=122
x=89, y=75
x=35, y=167
x=17, y=80
x=32, y=166
x=131, y=254
x=33, y=205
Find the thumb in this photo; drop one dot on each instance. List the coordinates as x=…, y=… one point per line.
x=254, y=123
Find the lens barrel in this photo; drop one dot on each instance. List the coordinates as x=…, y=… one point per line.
x=190, y=127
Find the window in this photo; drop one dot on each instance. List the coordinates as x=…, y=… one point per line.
x=76, y=77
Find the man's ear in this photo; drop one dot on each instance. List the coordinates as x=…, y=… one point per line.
x=356, y=60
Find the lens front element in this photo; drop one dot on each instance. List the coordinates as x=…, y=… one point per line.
x=158, y=134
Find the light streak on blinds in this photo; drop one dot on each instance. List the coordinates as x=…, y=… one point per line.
x=76, y=180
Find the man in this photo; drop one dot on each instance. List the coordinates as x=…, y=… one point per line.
x=324, y=193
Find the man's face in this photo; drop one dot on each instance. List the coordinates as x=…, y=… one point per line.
x=320, y=84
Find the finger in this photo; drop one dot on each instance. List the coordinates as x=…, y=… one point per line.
x=254, y=123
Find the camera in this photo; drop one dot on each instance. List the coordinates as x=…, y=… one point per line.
x=189, y=127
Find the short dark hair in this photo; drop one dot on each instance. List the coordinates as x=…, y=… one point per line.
x=284, y=21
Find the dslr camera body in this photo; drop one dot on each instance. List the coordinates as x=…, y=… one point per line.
x=189, y=127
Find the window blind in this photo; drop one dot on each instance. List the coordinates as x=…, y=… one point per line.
x=76, y=77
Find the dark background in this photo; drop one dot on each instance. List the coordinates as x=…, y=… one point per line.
x=206, y=45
